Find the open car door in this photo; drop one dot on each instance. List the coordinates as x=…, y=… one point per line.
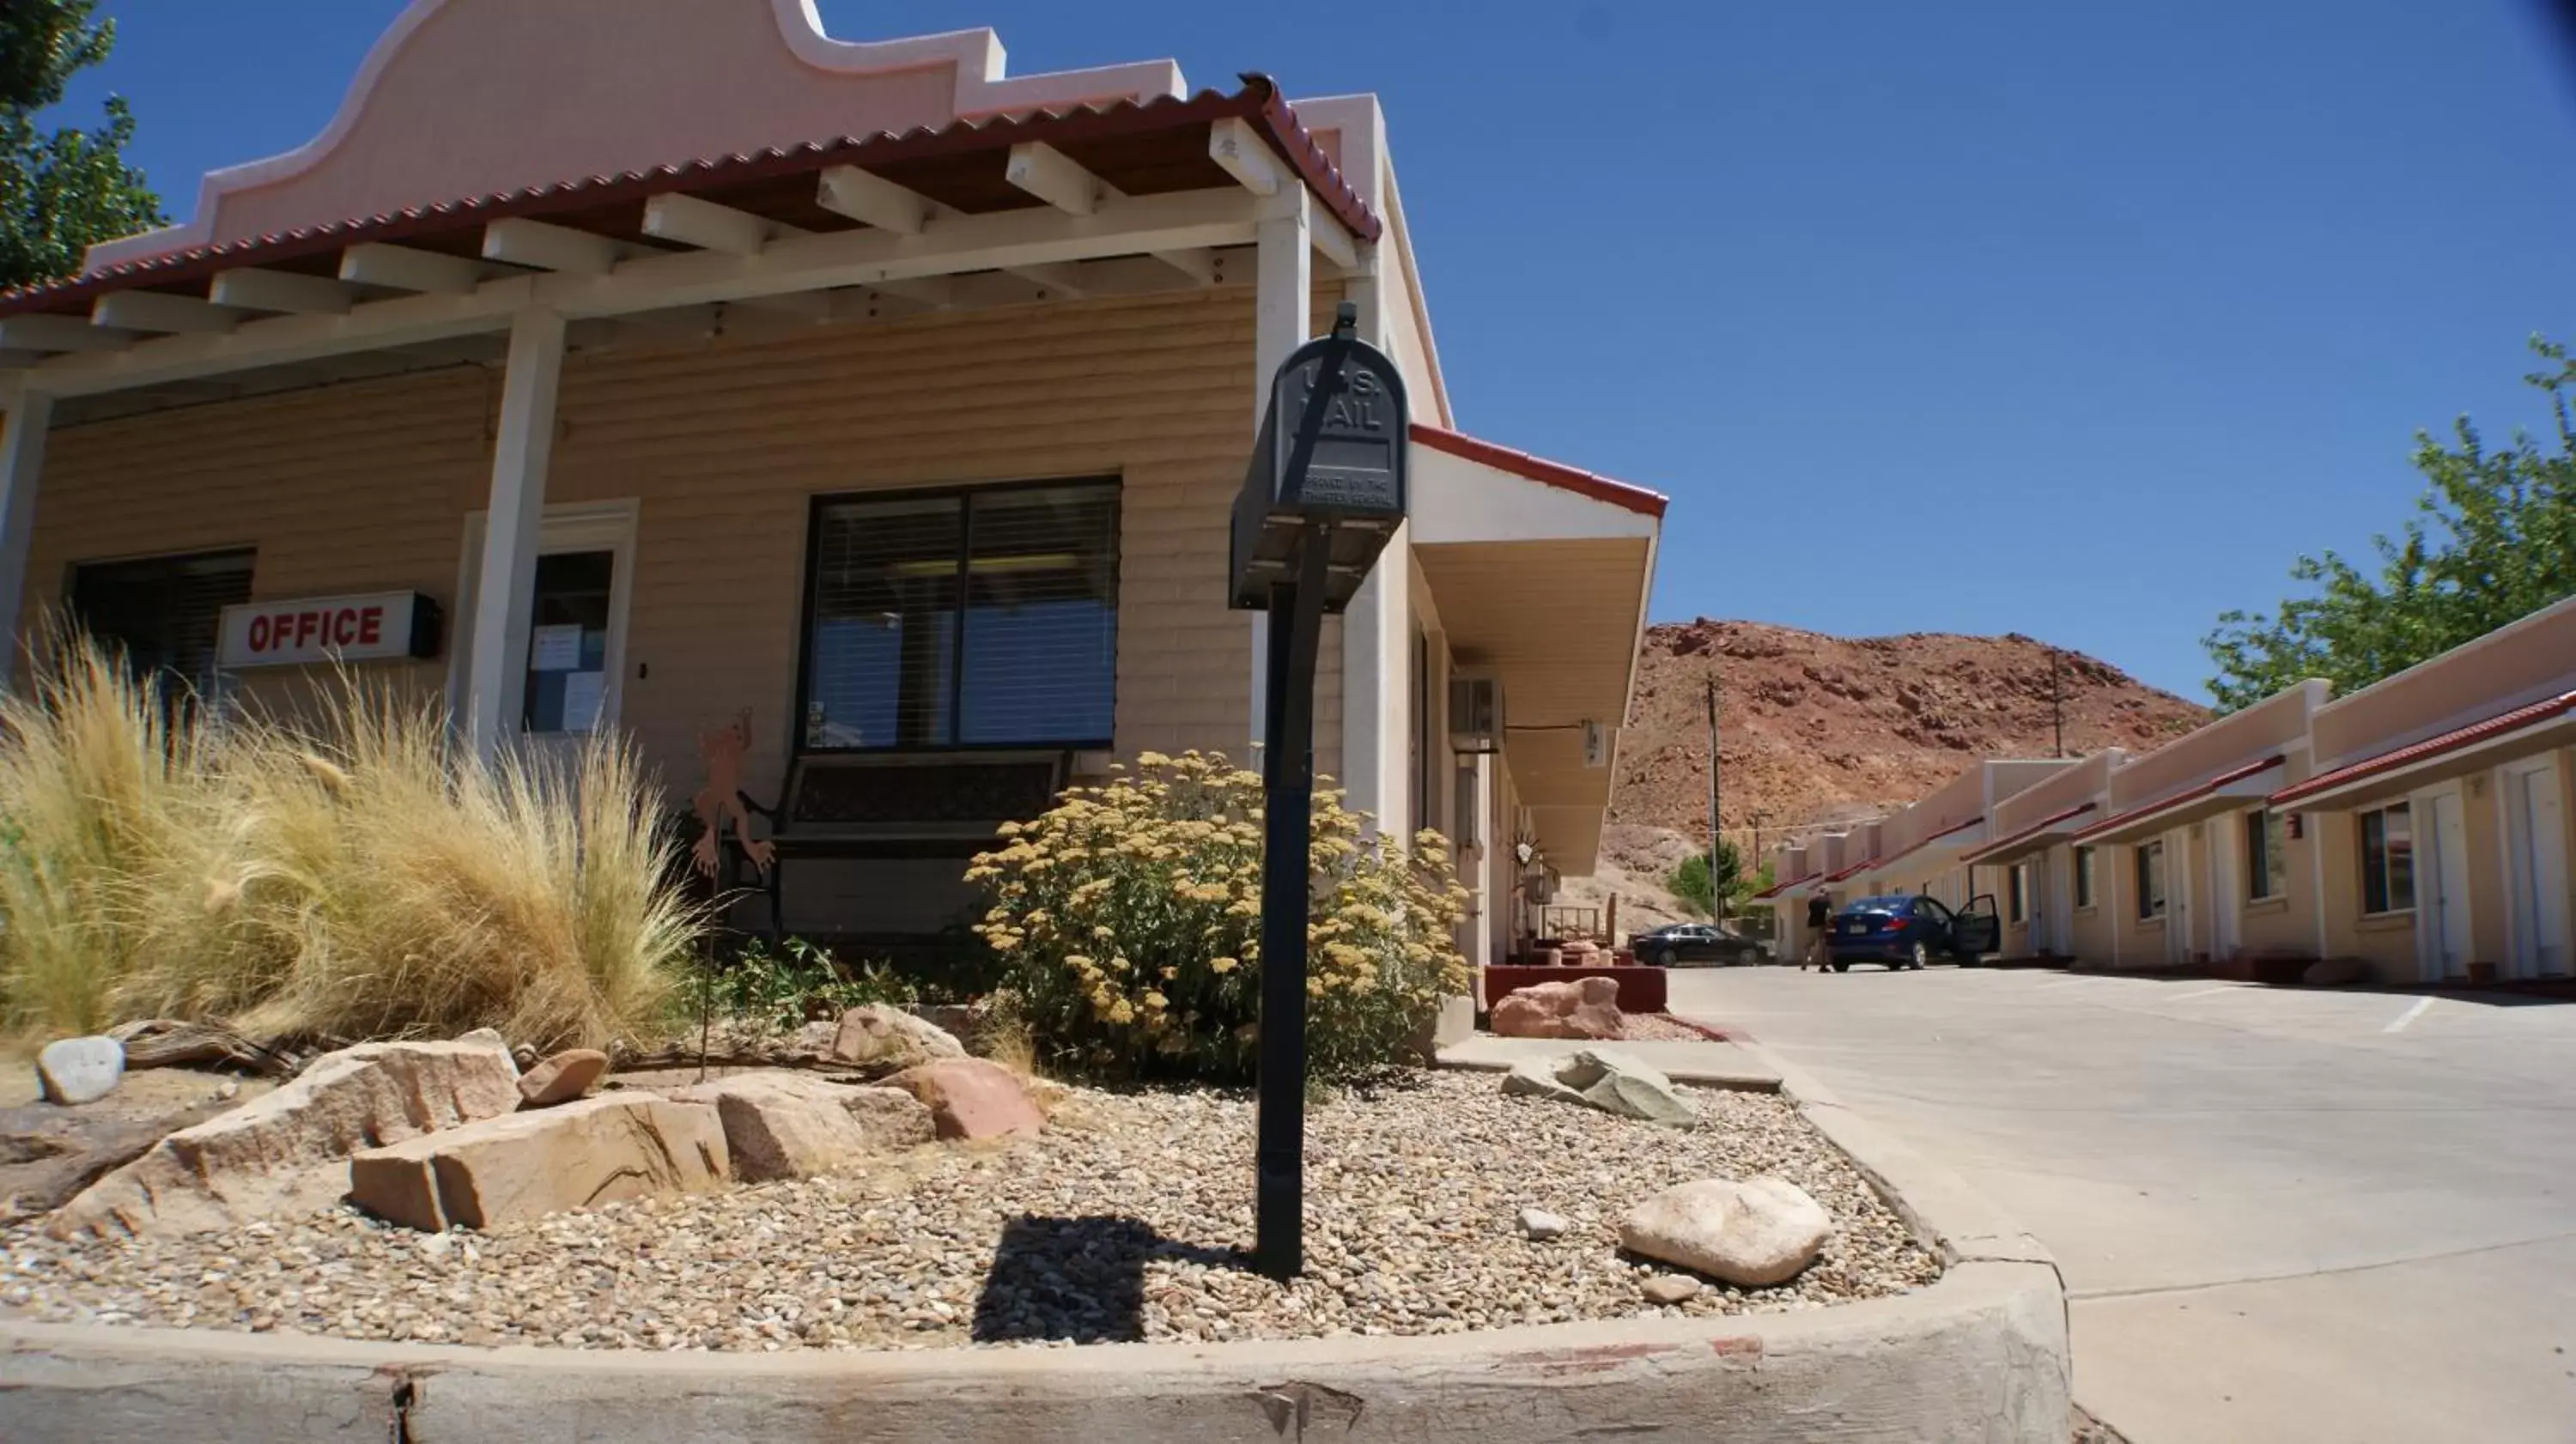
x=1977, y=929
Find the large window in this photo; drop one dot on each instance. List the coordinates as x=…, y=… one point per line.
x=2084, y=877
x=2151, y=880
x=2267, y=857
x=2387, y=860
x=982, y=619
x=166, y=613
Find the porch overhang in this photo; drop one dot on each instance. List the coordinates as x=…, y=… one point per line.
x=1788, y=889
x=1940, y=850
x=2229, y=791
x=2536, y=727
x=2029, y=841
x=1540, y=574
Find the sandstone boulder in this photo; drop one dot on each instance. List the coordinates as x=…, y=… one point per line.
x=782, y=1124
x=1577, y=1008
x=491, y=1038
x=1603, y=1078
x=972, y=1098
x=80, y=1070
x=562, y=1078
x=286, y=1152
x=877, y=1037
x=1752, y=1234
x=527, y=1165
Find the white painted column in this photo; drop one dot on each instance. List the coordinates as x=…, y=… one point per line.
x=1377, y=650
x=1283, y=289
x=521, y=453
x=22, y=465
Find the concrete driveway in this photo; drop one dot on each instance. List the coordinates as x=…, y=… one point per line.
x=2283, y=1215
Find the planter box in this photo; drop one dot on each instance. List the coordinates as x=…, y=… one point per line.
x=1641, y=990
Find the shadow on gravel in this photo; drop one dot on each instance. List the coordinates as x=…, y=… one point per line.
x=1077, y=1279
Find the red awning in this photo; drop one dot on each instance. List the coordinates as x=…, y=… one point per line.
x=2006, y=849
x=2502, y=725
x=2173, y=808
x=1777, y=888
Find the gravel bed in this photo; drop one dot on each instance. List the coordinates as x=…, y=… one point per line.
x=1119, y=1224
x=1658, y=1027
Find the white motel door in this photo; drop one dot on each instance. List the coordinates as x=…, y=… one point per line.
x=2220, y=838
x=569, y=683
x=2442, y=889
x=2178, y=898
x=2535, y=823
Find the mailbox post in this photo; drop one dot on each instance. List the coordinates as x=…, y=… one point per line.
x=1322, y=497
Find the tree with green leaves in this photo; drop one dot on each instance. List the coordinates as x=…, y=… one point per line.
x=1719, y=895
x=2495, y=541
x=60, y=190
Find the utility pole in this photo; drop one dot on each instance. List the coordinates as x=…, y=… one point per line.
x=1716, y=904
x=2057, y=699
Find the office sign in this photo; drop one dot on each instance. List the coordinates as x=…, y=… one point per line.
x=373, y=627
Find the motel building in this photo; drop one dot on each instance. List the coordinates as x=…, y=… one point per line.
x=639, y=367
x=2422, y=828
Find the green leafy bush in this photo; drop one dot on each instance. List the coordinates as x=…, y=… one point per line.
x=1128, y=919
x=777, y=991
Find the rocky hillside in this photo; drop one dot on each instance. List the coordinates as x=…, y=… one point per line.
x=1812, y=726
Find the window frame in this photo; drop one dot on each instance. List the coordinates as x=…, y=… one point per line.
x=2266, y=832
x=2163, y=902
x=2361, y=843
x=2087, y=865
x=215, y=686
x=819, y=502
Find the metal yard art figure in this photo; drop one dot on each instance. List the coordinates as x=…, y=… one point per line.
x=721, y=798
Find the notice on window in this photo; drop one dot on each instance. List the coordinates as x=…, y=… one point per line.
x=556, y=649
x=582, y=695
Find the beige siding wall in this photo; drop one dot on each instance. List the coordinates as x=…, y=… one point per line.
x=2093, y=920
x=365, y=487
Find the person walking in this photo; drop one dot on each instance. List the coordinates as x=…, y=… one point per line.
x=1820, y=913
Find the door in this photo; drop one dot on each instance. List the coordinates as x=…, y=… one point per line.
x=1977, y=930
x=2535, y=823
x=2061, y=901
x=2442, y=887
x=568, y=686
x=2178, y=898
x=2222, y=837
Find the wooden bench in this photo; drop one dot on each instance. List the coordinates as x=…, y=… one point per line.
x=846, y=805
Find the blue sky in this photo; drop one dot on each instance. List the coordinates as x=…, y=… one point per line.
x=2075, y=320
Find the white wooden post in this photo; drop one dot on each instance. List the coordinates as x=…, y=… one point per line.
x=520, y=453
x=1377, y=653
x=22, y=464
x=1283, y=285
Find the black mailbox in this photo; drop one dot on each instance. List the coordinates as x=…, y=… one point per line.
x=1330, y=457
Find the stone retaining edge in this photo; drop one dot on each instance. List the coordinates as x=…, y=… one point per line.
x=1981, y=1355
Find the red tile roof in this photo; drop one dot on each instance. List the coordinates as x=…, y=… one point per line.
x=2167, y=804
x=1854, y=868
x=2035, y=829
x=1777, y=888
x=1541, y=470
x=1936, y=837
x=2450, y=741
x=1259, y=101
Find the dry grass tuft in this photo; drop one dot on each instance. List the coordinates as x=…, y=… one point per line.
x=348, y=874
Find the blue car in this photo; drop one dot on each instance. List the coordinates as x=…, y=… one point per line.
x=1906, y=932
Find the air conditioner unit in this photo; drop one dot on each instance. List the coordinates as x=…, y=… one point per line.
x=1476, y=714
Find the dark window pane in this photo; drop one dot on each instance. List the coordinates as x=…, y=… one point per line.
x=2401, y=858
x=1041, y=615
x=165, y=612
x=883, y=642
x=565, y=685
x=2084, y=877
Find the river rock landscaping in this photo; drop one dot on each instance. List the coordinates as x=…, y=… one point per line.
x=1119, y=1222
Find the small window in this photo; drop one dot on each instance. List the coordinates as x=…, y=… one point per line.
x=165, y=613
x=2084, y=877
x=988, y=619
x=2016, y=889
x=2387, y=860
x=2151, y=880
x=2267, y=858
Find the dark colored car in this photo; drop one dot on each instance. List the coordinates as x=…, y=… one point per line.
x=1907, y=932
x=1677, y=945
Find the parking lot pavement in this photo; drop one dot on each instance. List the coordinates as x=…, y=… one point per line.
x=2283, y=1214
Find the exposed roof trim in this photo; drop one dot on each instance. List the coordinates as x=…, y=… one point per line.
x=1854, y=870
x=1541, y=470
x=2180, y=799
x=2002, y=848
x=1777, y=888
x=1259, y=101
x=2500, y=725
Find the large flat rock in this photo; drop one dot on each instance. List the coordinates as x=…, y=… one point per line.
x=527, y=1165
x=286, y=1152
x=784, y=1124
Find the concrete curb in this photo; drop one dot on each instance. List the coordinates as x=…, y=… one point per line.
x=1697, y=1077
x=1980, y=1355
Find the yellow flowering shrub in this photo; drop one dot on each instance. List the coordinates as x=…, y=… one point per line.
x=1128, y=920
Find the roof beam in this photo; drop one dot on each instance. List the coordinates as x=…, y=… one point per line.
x=803, y=305
x=1331, y=239
x=936, y=292
x=846, y=190
x=289, y=291
x=164, y=312
x=690, y=221
x=402, y=268
x=59, y=333
x=1053, y=177
x=1200, y=265
x=1238, y=149
x=1059, y=277
x=545, y=246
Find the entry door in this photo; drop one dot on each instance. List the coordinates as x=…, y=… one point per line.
x=567, y=686
x=2222, y=836
x=2061, y=901
x=2535, y=824
x=2178, y=898
x=2442, y=893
